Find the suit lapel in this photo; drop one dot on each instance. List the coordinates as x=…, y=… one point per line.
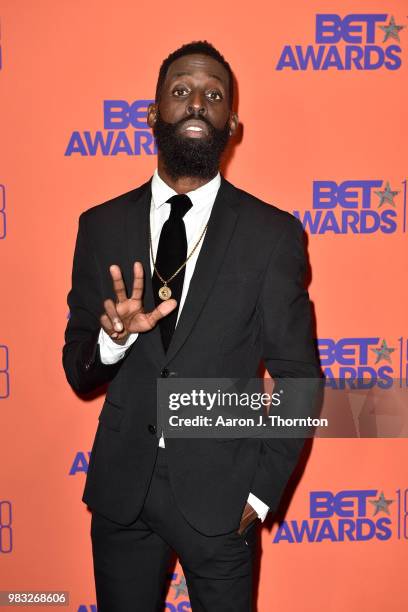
x=137, y=239
x=219, y=232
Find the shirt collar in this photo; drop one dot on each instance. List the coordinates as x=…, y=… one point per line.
x=205, y=194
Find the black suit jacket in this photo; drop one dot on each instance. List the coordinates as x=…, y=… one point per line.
x=246, y=303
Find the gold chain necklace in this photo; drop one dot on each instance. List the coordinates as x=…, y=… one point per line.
x=165, y=291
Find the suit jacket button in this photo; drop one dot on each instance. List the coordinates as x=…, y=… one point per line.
x=87, y=366
x=151, y=428
x=164, y=373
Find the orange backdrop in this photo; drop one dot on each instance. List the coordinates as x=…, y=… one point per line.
x=342, y=120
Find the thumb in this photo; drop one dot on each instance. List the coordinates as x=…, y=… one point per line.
x=167, y=307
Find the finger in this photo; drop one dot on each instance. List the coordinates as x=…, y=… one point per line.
x=118, y=284
x=111, y=312
x=107, y=326
x=162, y=310
x=245, y=523
x=248, y=511
x=138, y=281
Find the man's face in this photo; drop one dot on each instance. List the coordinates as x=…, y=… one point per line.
x=192, y=120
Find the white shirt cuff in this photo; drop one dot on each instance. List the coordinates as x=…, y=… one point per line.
x=260, y=508
x=110, y=351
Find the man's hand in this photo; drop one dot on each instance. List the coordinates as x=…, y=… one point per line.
x=127, y=315
x=248, y=516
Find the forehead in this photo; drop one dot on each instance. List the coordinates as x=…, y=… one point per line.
x=197, y=65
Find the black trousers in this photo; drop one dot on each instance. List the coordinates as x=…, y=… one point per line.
x=130, y=562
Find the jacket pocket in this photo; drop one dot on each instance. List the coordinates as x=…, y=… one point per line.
x=111, y=415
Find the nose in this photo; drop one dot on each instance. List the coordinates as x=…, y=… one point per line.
x=196, y=105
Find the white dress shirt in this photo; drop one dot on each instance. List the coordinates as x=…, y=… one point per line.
x=195, y=219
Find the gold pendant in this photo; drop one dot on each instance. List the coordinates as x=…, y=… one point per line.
x=165, y=292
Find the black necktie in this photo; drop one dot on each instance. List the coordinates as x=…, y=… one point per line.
x=171, y=253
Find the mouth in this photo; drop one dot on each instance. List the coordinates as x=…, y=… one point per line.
x=194, y=128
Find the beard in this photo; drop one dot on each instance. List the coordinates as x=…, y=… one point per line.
x=193, y=157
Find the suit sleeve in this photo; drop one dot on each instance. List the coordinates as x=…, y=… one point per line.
x=289, y=353
x=81, y=354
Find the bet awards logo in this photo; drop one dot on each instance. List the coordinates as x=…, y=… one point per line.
x=80, y=463
x=3, y=228
x=178, y=591
x=125, y=132
x=4, y=372
x=356, y=207
x=363, y=363
x=6, y=527
x=354, y=42
x=349, y=516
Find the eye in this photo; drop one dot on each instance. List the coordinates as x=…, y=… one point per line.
x=179, y=91
x=214, y=95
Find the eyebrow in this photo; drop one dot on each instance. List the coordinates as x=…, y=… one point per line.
x=185, y=73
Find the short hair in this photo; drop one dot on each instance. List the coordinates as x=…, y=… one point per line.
x=202, y=47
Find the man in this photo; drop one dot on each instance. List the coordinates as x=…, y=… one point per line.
x=186, y=276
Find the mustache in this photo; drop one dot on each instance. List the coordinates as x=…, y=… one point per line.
x=194, y=116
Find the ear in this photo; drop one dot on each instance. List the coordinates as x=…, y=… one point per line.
x=233, y=123
x=151, y=114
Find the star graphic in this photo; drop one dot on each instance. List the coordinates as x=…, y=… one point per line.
x=381, y=504
x=386, y=195
x=180, y=588
x=383, y=352
x=391, y=30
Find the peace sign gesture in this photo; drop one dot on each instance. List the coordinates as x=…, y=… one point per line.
x=127, y=315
